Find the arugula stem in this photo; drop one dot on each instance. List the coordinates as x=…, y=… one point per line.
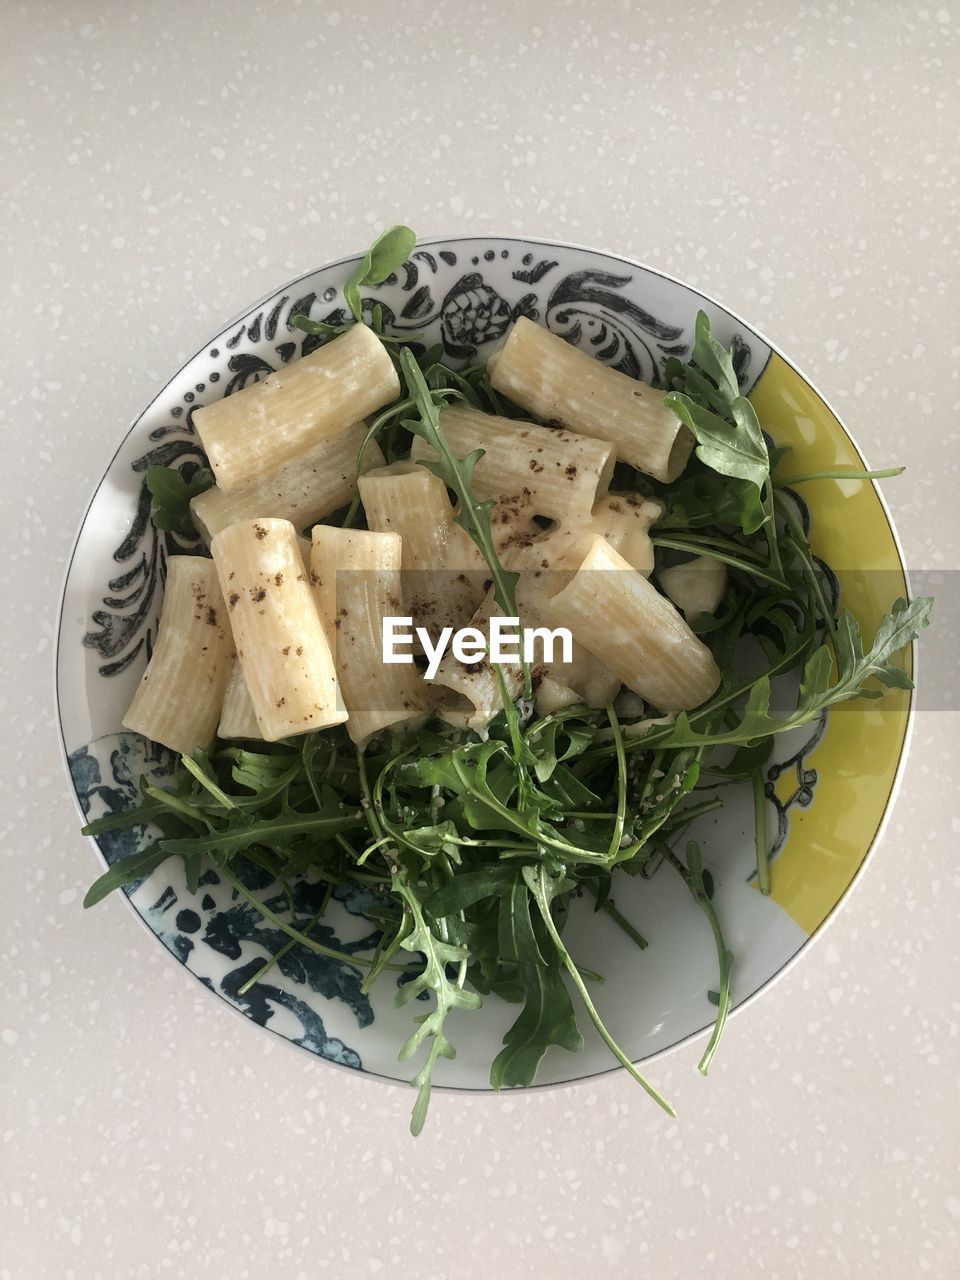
x=774, y=577
x=297, y=936
x=806, y=560
x=839, y=473
x=760, y=832
x=698, y=540
x=685, y=816
x=693, y=878
x=171, y=801
x=617, y=834
x=287, y=946
x=542, y=901
x=609, y=907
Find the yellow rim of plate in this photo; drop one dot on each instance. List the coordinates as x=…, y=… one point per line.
x=857, y=759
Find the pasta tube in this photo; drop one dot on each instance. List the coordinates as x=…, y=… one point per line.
x=356, y=576
x=560, y=384
x=475, y=696
x=559, y=474
x=696, y=586
x=282, y=647
x=317, y=398
x=443, y=572
x=178, y=700
x=238, y=718
x=636, y=632
x=303, y=489
x=474, y=692
x=544, y=569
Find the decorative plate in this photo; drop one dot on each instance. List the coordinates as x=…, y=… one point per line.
x=829, y=789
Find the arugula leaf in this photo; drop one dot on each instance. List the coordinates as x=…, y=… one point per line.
x=171, y=494
x=715, y=361
x=704, y=497
x=545, y=889
x=517, y=940
x=731, y=448
x=449, y=994
x=457, y=474
x=466, y=771
x=547, y=1018
x=545, y=736
x=387, y=254
x=124, y=871
x=467, y=888
x=899, y=627
x=278, y=833
x=320, y=328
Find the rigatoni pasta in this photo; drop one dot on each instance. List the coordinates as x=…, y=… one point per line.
x=443, y=571
x=474, y=696
x=237, y=718
x=635, y=631
x=356, y=580
x=178, y=700
x=557, y=382
x=283, y=649
x=545, y=567
x=257, y=430
x=304, y=489
x=559, y=474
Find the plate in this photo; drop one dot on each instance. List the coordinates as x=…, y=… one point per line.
x=829, y=787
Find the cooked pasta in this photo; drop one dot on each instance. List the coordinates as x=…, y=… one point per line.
x=560, y=384
x=304, y=489
x=238, y=718
x=356, y=577
x=636, y=632
x=695, y=586
x=558, y=474
x=282, y=646
x=256, y=431
x=623, y=519
x=443, y=571
x=178, y=700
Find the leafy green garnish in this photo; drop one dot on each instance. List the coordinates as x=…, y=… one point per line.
x=170, y=496
x=387, y=254
x=457, y=474
x=899, y=628
x=449, y=993
x=731, y=446
x=724, y=424
x=547, y=1018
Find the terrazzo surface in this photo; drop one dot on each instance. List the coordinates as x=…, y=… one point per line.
x=165, y=165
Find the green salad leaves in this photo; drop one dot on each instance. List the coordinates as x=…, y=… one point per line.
x=170, y=493
x=473, y=850
x=386, y=255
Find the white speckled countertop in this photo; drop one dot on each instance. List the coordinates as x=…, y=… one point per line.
x=166, y=164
